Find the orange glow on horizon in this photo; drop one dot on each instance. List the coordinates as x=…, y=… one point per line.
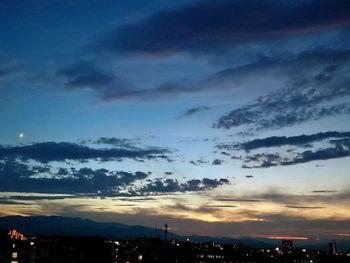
x=286, y=237
x=343, y=235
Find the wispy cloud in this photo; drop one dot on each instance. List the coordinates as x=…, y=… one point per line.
x=315, y=87
x=173, y=185
x=277, y=141
x=264, y=160
x=89, y=75
x=194, y=110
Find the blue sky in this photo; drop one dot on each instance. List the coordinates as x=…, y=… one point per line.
x=233, y=115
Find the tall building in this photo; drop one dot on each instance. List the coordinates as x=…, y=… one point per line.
x=166, y=232
x=332, y=248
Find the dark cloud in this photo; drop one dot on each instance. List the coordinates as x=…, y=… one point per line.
x=305, y=207
x=303, y=97
x=209, y=26
x=293, y=200
x=89, y=75
x=62, y=151
x=16, y=176
x=193, y=162
x=20, y=177
x=338, y=147
x=137, y=199
x=277, y=141
x=324, y=191
x=173, y=185
x=8, y=68
x=199, y=162
x=264, y=160
x=217, y=162
x=222, y=206
x=117, y=142
x=181, y=207
x=244, y=200
x=318, y=67
x=40, y=197
x=341, y=150
x=194, y=110
x=8, y=201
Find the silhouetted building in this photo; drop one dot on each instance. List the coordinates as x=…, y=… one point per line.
x=332, y=249
x=166, y=232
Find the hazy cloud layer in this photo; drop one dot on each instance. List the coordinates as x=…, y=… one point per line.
x=213, y=27
x=268, y=225
x=7, y=69
x=89, y=75
x=209, y=26
x=312, y=200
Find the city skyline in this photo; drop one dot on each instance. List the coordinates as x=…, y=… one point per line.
x=221, y=118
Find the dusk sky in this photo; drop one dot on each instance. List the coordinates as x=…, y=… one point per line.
x=223, y=118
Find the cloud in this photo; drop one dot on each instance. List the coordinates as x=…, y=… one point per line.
x=89, y=75
x=338, y=146
x=217, y=162
x=194, y=110
x=267, y=225
x=292, y=68
x=16, y=176
x=292, y=200
x=210, y=26
x=303, y=96
x=199, y=162
x=305, y=207
x=341, y=150
x=277, y=141
x=20, y=177
x=244, y=200
x=324, y=191
x=40, y=197
x=173, y=185
x=264, y=160
x=117, y=142
x=8, y=68
x=62, y=151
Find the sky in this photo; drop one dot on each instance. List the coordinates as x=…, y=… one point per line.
x=222, y=118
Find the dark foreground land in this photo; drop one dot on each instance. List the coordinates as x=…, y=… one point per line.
x=62, y=249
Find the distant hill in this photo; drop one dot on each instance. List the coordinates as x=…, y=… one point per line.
x=56, y=225
x=69, y=226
